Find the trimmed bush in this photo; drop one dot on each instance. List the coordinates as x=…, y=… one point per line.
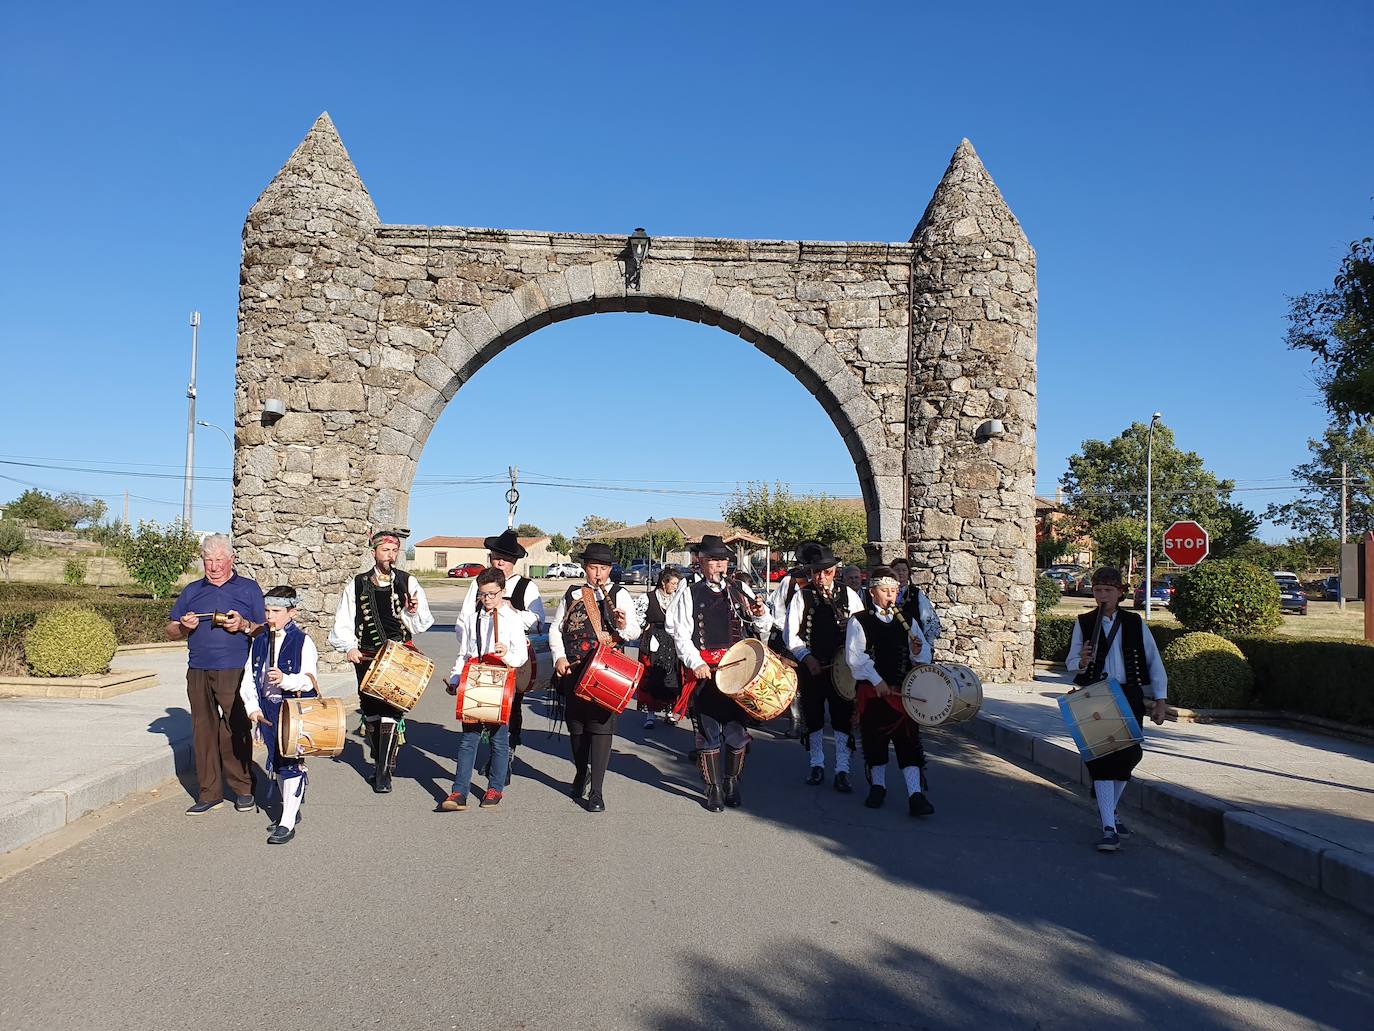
x=1047, y=596
x=1227, y=597
x=69, y=641
x=1052, y=637
x=74, y=572
x=1328, y=677
x=1207, y=672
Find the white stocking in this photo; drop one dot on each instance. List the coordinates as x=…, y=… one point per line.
x=293, y=794
x=912, y=775
x=878, y=775
x=1106, y=802
x=817, y=748
x=841, y=753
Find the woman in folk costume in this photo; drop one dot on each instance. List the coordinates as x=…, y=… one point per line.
x=881, y=646
x=591, y=614
x=379, y=605
x=282, y=662
x=493, y=633
x=660, y=690
x=704, y=620
x=815, y=632
x=1110, y=643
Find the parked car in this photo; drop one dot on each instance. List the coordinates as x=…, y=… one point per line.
x=776, y=573
x=1292, y=597
x=467, y=569
x=642, y=567
x=1331, y=588
x=1161, y=594
x=1067, y=579
x=617, y=571
x=564, y=570
x=637, y=573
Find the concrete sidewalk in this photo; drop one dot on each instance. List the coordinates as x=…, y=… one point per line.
x=1297, y=802
x=63, y=758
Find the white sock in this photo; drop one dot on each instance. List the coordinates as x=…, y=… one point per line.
x=841, y=754
x=817, y=748
x=878, y=775
x=293, y=795
x=912, y=775
x=1106, y=802
x=1120, y=786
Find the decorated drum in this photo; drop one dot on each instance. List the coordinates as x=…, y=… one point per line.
x=398, y=676
x=757, y=679
x=310, y=726
x=1100, y=719
x=610, y=680
x=485, y=691
x=934, y=695
x=842, y=677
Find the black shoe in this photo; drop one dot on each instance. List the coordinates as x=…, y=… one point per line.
x=729, y=792
x=579, y=785
x=918, y=805
x=244, y=803
x=595, y=803
x=714, y=803
x=1110, y=840
x=1122, y=831
x=382, y=784
x=816, y=776
x=281, y=835
x=876, y=796
x=200, y=808
x=842, y=784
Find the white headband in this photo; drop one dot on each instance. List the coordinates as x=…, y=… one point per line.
x=885, y=581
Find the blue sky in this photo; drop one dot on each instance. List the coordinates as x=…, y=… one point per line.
x=1180, y=170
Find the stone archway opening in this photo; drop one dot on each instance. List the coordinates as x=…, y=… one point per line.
x=365, y=332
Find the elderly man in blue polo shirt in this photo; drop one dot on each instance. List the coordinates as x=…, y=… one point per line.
x=218, y=616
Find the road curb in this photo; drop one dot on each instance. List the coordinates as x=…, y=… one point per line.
x=1339, y=873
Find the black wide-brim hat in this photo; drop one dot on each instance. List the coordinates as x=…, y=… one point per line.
x=808, y=551
x=506, y=545
x=712, y=546
x=822, y=558
x=598, y=553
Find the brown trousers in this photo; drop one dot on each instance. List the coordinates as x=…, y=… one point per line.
x=222, y=739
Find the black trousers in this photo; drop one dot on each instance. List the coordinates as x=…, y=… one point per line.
x=818, y=694
x=880, y=726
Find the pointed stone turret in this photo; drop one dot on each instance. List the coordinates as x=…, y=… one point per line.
x=968, y=207
x=319, y=185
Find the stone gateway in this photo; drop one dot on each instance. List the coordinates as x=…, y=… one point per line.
x=922, y=354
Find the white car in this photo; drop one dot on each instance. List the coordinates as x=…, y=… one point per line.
x=564, y=570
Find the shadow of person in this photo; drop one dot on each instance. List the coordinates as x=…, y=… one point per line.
x=175, y=726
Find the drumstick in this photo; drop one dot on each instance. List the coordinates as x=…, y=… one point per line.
x=733, y=662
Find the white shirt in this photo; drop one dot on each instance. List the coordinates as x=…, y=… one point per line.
x=624, y=602
x=479, y=633
x=532, y=617
x=344, y=636
x=856, y=649
x=845, y=600
x=1115, y=667
x=681, y=621
x=291, y=683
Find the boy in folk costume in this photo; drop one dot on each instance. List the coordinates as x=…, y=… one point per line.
x=815, y=631
x=590, y=614
x=503, y=552
x=914, y=603
x=382, y=604
x=705, y=619
x=881, y=646
x=1111, y=643
x=660, y=689
x=282, y=663
x=494, y=633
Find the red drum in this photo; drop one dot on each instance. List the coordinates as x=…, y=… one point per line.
x=610, y=680
x=486, y=691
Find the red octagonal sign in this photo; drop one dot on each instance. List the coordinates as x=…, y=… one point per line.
x=1185, y=543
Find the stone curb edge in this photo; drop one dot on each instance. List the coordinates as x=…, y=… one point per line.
x=1339, y=873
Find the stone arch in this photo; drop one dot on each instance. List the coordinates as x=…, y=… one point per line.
x=365, y=331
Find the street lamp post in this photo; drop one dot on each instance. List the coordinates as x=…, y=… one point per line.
x=1149, y=507
x=190, y=422
x=650, y=523
x=223, y=433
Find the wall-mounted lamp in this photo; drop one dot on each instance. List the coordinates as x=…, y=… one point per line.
x=636, y=252
x=988, y=430
x=272, y=410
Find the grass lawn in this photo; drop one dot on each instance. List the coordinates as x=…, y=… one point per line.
x=1323, y=618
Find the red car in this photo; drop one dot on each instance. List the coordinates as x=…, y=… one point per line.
x=467, y=569
x=776, y=573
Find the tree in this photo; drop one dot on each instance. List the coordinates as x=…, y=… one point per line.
x=1317, y=511
x=38, y=509
x=1119, y=540
x=78, y=509
x=1049, y=549
x=1337, y=326
x=1106, y=481
x=528, y=530
x=1237, y=526
x=841, y=526
x=772, y=513
x=12, y=542
x=560, y=544
x=594, y=528
x=155, y=557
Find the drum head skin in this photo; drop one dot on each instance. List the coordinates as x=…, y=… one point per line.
x=739, y=666
x=842, y=678
x=928, y=694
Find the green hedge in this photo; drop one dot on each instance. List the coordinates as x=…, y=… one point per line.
x=135, y=620
x=1053, y=634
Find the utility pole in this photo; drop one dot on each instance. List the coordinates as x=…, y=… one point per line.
x=1345, y=485
x=1149, y=507
x=126, y=510
x=190, y=423
x=512, y=495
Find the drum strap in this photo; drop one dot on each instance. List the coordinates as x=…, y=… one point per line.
x=593, y=608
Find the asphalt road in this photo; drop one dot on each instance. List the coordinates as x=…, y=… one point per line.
x=801, y=910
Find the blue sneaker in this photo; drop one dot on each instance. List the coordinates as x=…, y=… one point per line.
x=204, y=807
x=1110, y=840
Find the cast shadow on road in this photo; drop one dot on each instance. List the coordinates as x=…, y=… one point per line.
x=175, y=726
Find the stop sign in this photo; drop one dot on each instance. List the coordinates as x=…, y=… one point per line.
x=1185, y=543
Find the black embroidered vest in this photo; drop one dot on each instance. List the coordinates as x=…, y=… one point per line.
x=823, y=621
x=378, y=610
x=888, y=645
x=1132, y=649
x=579, y=636
x=716, y=619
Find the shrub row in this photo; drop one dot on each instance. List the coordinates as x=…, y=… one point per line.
x=1328, y=677
x=135, y=620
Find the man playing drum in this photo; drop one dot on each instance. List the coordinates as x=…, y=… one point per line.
x=380, y=605
x=503, y=552
x=705, y=619
x=282, y=661
x=880, y=647
x=815, y=631
x=573, y=640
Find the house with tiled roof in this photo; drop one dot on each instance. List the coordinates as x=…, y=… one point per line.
x=443, y=553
